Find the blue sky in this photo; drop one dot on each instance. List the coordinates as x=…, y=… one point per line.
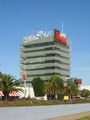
x=19, y=18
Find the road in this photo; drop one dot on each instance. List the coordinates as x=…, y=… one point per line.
x=41, y=112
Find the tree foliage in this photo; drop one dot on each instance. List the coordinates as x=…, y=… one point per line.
x=7, y=84
x=54, y=86
x=38, y=85
x=71, y=90
x=85, y=93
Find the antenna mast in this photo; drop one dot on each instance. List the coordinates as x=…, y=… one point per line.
x=62, y=26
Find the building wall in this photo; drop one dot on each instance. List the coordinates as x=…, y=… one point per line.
x=44, y=57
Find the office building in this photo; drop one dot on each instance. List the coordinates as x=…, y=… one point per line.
x=44, y=55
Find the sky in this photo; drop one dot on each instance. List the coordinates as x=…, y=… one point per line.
x=19, y=18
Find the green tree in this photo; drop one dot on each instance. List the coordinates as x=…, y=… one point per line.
x=85, y=93
x=71, y=90
x=38, y=85
x=7, y=84
x=53, y=87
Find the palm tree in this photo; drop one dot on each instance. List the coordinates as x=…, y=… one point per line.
x=7, y=84
x=54, y=86
x=71, y=89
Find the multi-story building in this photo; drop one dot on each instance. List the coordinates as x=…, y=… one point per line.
x=45, y=55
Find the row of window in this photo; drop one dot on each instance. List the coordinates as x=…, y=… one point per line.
x=44, y=44
x=39, y=45
x=46, y=55
x=46, y=68
x=48, y=74
x=46, y=61
x=46, y=49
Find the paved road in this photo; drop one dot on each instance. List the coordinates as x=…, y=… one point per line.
x=41, y=112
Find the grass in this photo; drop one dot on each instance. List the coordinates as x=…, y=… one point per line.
x=29, y=102
x=84, y=118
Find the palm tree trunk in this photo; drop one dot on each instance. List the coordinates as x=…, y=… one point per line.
x=70, y=95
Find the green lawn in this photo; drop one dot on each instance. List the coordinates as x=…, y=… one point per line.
x=84, y=118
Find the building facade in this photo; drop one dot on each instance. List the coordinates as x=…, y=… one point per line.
x=45, y=55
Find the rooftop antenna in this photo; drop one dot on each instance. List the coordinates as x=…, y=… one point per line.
x=62, y=26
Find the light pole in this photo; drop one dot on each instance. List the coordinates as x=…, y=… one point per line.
x=25, y=78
